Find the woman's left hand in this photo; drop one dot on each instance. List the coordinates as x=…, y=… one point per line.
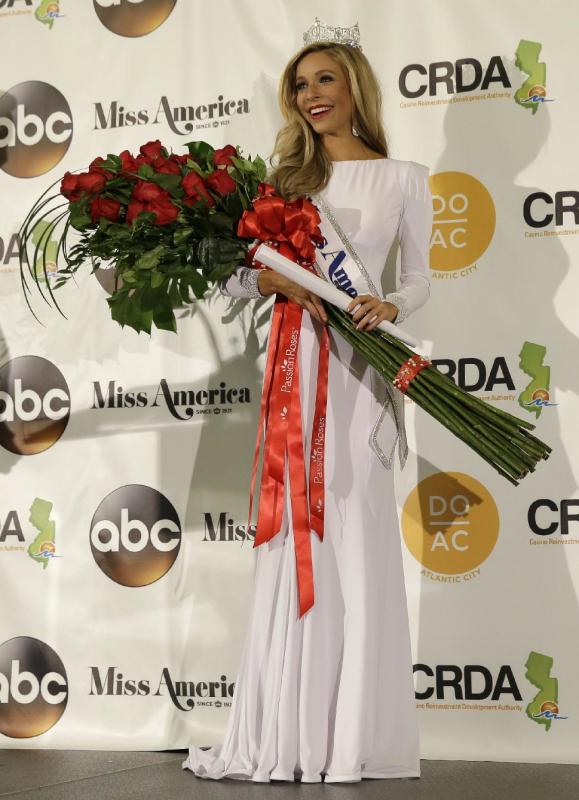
x=371, y=311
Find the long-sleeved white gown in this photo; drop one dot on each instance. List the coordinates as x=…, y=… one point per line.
x=330, y=696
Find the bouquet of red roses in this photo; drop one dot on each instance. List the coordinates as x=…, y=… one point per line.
x=167, y=223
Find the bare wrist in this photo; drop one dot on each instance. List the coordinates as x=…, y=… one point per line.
x=394, y=308
x=267, y=282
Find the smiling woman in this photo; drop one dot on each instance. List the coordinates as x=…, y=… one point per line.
x=324, y=689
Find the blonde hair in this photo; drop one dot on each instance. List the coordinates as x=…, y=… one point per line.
x=303, y=166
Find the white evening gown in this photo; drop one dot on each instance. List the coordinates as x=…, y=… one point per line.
x=331, y=696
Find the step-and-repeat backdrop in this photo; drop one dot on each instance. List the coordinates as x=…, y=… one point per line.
x=126, y=561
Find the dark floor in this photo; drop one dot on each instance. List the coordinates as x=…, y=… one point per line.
x=98, y=775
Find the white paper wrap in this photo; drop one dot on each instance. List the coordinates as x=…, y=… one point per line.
x=327, y=291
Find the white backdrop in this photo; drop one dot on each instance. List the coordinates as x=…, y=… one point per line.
x=87, y=661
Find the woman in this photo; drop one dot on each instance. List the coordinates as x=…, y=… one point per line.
x=330, y=695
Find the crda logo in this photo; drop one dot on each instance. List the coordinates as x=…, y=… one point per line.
x=34, y=405
x=33, y=687
x=463, y=225
x=450, y=524
x=464, y=75
x=542, y=210
x=546, y=517
x=133, y=17
x=135, y=535
x=35, y=129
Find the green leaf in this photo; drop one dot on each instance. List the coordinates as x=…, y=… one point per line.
x=198, y=284
x=243, y=165
x=202, y=151
x=79, y=216
x=182, y=235
x=261, y=168
x=174, y=294
x=168, y=182
x=151, y=258
x=220, y=271
x=145, y=171
x=130, y=277
x=112, y=166
x=126, y=310
x=222, y=221
x=194, y=167
x=114, y=160
x=157, y=279
x=163, y=315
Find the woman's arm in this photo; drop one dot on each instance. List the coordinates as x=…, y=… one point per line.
x=414, y=233
x=252, y=283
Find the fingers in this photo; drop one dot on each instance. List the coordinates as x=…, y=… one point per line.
x=371, y=319
x=322, y=316
x=310, y=306
x=310, y=302
x=365, y=308
x=360, y=298
x=381, y=315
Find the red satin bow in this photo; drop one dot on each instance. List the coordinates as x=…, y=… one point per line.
x=292, y=228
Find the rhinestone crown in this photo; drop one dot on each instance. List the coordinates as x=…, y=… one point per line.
x=333, y=33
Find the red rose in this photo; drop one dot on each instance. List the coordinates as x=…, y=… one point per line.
x=164, y=210
x=151, y=150
x=134, y=209
x=221, y=182
x=95, y=166
x=69, y=187
x=195, y=189
x=223, y=156
x=180, y=159
x=167, y=166
x=140, y=160
x=128, y=163
x=91, y=182
x=104, y=207
x=145, y=191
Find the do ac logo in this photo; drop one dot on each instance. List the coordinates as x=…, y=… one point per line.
x=35, y=129
x=33, y=687
x=133, y=17
x=135, y=535
x=450, y=524
x=34, y=405
x=463, y=224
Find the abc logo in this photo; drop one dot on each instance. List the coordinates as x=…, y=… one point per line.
x=33, y=687
x=133, y=17
x=34, y=405
x=450, y=523
x=464, y=220
x=35, y=129
x=135, y=535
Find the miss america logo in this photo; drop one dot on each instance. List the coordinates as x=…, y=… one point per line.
x=181, y=403
x=336, y=271
x=180, y=119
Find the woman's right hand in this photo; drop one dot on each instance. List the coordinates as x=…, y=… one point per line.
x=271, y=282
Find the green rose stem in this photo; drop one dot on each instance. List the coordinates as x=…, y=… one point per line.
x=501, y=439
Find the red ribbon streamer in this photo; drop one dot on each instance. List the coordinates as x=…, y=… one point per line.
x=292, y=228
x=408, y=371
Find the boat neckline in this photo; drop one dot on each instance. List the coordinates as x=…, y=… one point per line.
x=357, y=160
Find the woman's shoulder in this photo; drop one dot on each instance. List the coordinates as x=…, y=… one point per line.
x=412, y=177
x=405, y=168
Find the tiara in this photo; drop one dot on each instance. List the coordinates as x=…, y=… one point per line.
x=333, y=33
